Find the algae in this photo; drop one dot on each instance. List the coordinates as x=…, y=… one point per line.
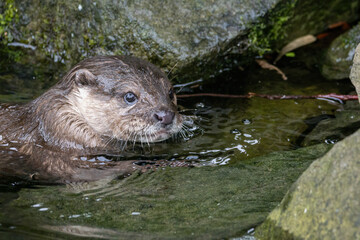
x=8, y=16
x=267, y=33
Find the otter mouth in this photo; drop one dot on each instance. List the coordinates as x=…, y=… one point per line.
x=157, y=133
x=160, y=132
x=156, y=136
x=162, y=135
x=140, y=131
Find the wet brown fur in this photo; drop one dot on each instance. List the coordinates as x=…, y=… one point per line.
x=86, y=110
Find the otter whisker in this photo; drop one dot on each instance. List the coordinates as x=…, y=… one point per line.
x=181, y=132
x=133, y=140
x=187, y=131
x=109, y=140
x=145, y=132
x=150, y=136
x=172, y=69
x=126, y=141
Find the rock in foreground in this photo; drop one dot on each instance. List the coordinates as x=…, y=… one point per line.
x=325, y=201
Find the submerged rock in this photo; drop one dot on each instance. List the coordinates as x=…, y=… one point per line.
x=194, y=39
x=337, y=127
x=339, y=56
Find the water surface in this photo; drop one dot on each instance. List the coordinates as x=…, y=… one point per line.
x=238, y=179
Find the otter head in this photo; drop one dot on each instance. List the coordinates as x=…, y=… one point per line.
x=123, y=98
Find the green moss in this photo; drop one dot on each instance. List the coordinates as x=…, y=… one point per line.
x=269, y=230
x=8, y=16
x=338, y=57
x=270, y=29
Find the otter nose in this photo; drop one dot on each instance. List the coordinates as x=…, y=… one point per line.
x=165, y=117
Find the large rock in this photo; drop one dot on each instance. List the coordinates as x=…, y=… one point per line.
x=169, y=34
x=339, y=56
x=196, y=39
x=325, y=201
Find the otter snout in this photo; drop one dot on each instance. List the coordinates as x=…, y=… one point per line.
x=164, y=117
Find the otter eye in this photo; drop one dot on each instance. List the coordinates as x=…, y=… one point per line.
x=130, y=98
x=171, y=94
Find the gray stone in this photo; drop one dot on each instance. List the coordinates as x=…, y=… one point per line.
x=339, y=56
x=170, y=34
x=355, y=71
x=324, y=203
x=194, y=39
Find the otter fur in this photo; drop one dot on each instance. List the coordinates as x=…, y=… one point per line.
x=100, y=101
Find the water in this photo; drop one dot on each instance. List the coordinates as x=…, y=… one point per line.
x=238, y=180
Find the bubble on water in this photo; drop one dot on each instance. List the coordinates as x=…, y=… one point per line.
x=200, y=105
x=37, y=205
x=246, y=121
x=251, y=230
x=330, y=141
x=235, y=131
x=192, y=157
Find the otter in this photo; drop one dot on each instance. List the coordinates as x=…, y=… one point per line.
x=101, y=101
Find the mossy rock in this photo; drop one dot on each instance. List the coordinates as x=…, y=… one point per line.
x=340, y=54
x=196, y=39
x=324, y=201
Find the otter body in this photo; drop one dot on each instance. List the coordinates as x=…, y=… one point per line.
x=100, y=101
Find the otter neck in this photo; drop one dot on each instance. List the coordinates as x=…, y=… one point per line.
x=61, y=123
x=49, y=120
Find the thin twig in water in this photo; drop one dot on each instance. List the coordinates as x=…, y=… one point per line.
x=272, y=97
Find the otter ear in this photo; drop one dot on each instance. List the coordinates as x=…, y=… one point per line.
x=84, y=77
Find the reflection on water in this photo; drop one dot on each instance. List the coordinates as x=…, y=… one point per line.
x=185, y=203
x=242, y=129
